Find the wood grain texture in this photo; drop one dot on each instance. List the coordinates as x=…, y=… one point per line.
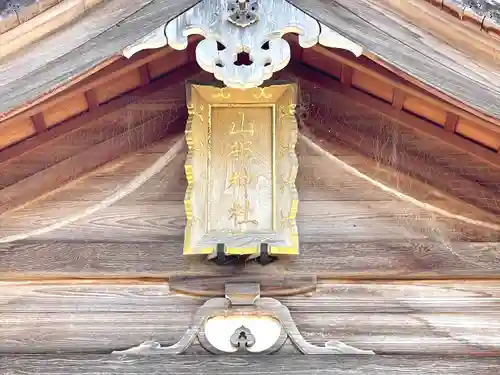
x=348, y=226
x=457, y=30
x=209, y=365
x=398, y=297
x=344, y=233
x=65, y=152
x=411, y=50
x=52, y=177
x=404, y=318
x=33, y=155
x=317, y=221
x=348, y=118
x=405, y=259
x=56, y=45
x=113, y=26
x=39, y=19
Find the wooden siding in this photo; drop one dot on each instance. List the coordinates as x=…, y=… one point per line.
x=348, y=227
x=389, y=318
x=266, y=365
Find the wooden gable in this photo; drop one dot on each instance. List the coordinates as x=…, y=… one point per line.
x=398, y=222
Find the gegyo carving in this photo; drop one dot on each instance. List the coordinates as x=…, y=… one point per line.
x=233, y=27
x=242, y=323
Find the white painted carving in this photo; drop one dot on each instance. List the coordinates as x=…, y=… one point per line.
x=226, y=37
x=266, y=331
x=333, y=39
x=266, y=325
x=155, y=39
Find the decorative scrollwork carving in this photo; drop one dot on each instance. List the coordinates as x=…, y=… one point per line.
x=272, y=326
x=235, y=27
x=243, y=13
x=242, y=339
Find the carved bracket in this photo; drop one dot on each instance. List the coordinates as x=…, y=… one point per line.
x=235, y=27
x=242, y=323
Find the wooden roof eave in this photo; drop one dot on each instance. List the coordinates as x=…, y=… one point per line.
x=69, y=54
x=396, y=43
x=392, y=41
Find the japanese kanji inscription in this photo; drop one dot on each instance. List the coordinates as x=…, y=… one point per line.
x=241, y=169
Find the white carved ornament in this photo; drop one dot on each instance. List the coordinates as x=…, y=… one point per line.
x=231, y=27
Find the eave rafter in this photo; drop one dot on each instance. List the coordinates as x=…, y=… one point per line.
x=235, y=27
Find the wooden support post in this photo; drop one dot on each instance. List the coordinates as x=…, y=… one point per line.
x=92, y=100
x=39, y=122
x=451, y=122
x=398, y=98
x=346, y=75
x=144, y=74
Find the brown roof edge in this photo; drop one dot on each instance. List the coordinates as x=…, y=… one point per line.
x=16, y=12
x=22, y=25
x=483, y=14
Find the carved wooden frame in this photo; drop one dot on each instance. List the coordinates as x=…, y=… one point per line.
x=206, y=104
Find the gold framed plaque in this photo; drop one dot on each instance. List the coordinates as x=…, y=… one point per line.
x=241, y=169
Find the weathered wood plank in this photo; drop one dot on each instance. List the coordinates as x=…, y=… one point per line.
x=318, y=221
x=87, y=298
x=393, y=43
x=400, y=259
x=101, y=318
x=399, y=297
x=79, y=364
x=69, y=169
x=384, y=297
x=384, y=259
x=34, y=26
x=384, y=333
x=406, y=333
x=423, y=15
x=65, y=40
x=131, y=21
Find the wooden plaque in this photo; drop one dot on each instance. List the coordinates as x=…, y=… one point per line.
x=241, y=169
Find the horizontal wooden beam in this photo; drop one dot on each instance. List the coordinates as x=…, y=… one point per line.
x=360, y=260
x=389, y=318
x=81, y=364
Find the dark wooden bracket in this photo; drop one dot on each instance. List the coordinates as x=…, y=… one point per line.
x=269, y=285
